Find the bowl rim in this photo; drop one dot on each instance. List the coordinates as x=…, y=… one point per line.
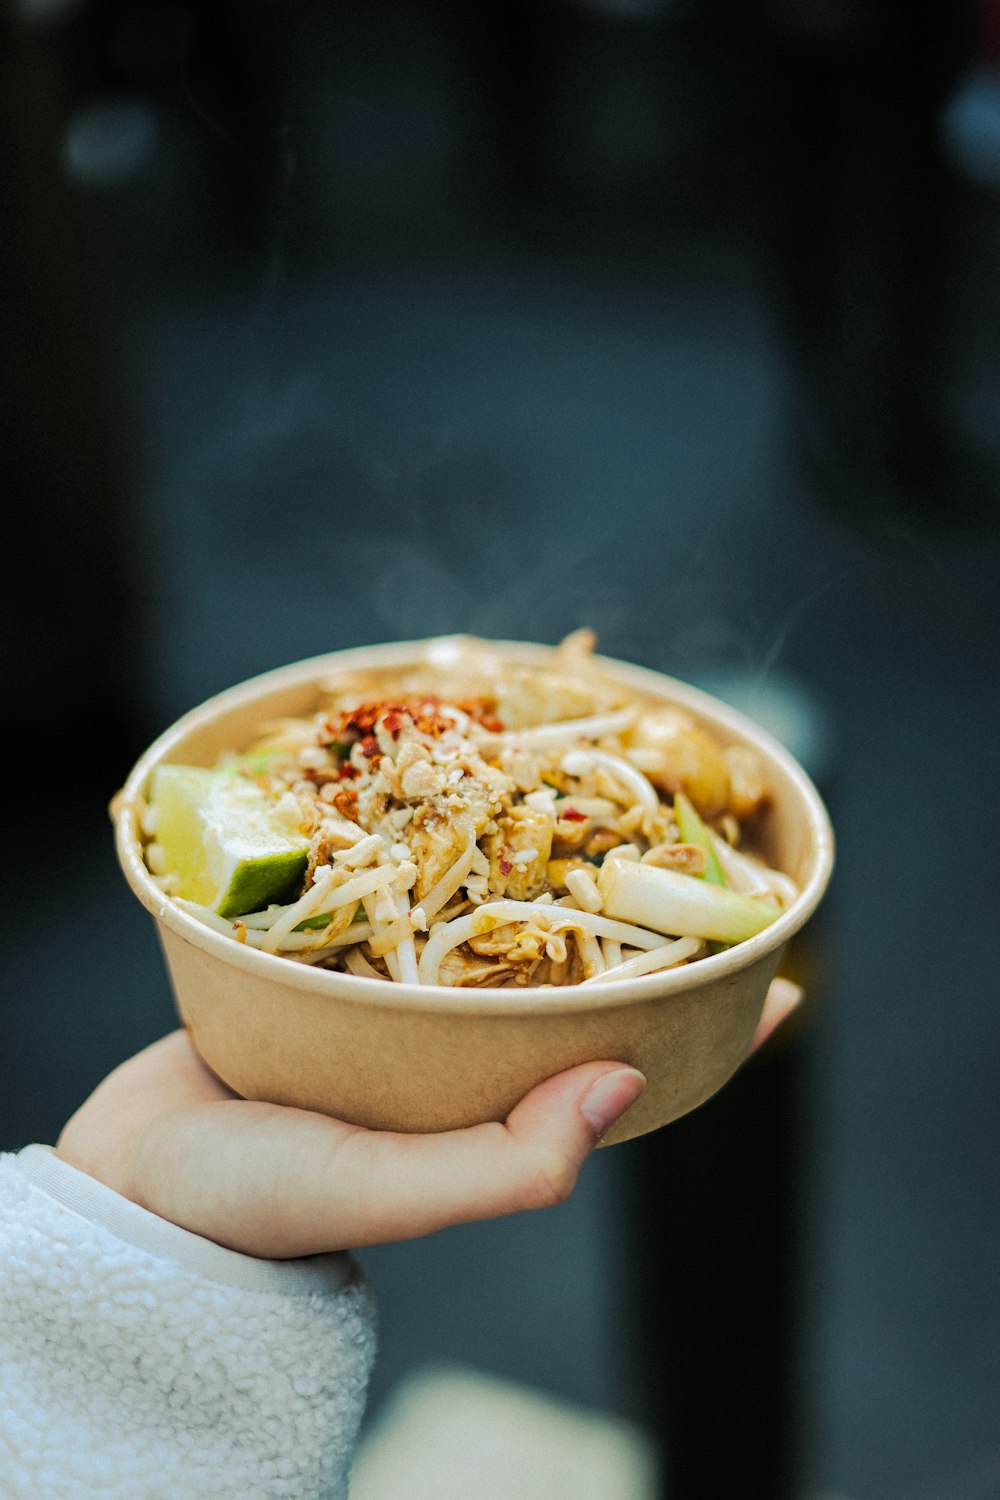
x=486, y=1001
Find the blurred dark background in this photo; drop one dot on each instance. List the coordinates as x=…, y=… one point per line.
x=332, y=323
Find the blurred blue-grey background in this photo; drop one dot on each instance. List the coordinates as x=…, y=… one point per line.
x=334, y=323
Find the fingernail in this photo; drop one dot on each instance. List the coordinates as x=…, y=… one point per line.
x=608, y=1099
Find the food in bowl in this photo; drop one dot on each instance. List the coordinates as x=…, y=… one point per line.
x=286, y=1028
x=473, y=822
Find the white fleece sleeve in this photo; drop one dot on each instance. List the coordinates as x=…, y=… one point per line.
x=138, y=1360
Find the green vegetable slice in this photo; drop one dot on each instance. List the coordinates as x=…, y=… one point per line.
x=324, y=918
x=679, y=905
x=224, y=841
x=693, y=831
x=309, y=923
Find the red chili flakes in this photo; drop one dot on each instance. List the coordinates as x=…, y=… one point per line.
x=424, y=713
x=505, y=867
x=482, y=710
x=572, y=815
x=362, y=719
x=370, y=747
x=348, y=772
x=427, y=717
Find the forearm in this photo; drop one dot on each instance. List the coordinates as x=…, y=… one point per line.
x=137, y=1359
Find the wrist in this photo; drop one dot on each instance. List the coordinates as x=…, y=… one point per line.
x=103, y=1161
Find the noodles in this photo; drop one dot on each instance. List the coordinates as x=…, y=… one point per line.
x=749, y=876
x=654, y=958
x=580, y=762
x=406, y=953
x=612, y=952
x=356, y=963
x=472, y=822
x=448, y=935
x=440, y=894
x=325, y=895
x=313, y=945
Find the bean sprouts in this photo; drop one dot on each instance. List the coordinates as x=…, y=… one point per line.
x=464, y=821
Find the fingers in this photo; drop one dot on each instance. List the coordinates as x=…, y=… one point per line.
x=161, y=1078
x=413, y=1185
x=782, y=998
x=534, y=1159
x=279, y=1182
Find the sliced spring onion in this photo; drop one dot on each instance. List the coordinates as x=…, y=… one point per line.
x=749, y=875
x=693, y=831
x=680, y=905
x=322, y=919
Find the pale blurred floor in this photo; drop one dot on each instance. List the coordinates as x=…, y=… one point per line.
x=450, y=1433
x=455, y=1433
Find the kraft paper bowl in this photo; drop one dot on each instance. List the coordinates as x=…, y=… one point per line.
x=403, y=1057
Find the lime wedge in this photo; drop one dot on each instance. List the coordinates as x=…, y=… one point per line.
x=224, y=840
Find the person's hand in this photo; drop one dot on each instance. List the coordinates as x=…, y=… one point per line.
x=276, y=1182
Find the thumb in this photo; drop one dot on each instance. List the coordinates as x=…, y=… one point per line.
x=576, y=1108
x=415, y=1184
x=275, y=1181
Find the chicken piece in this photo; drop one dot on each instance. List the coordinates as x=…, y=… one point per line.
x=747, y=790
x=513, y=942
x=557, y=870
x=677, y=756
x=436, y=839
x=523, y=768
x=575, y=652
x=484, y=790
x=528, y=698
x=462, y=972
x=601, y=841
x=522, y=830
x=421, y=779
x=577, y=819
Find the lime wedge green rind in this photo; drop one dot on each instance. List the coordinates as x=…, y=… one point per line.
x=274, y=879
x=176, y=794
x=222, y=838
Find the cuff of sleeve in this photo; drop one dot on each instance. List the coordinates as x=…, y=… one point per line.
x=89, y=1199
